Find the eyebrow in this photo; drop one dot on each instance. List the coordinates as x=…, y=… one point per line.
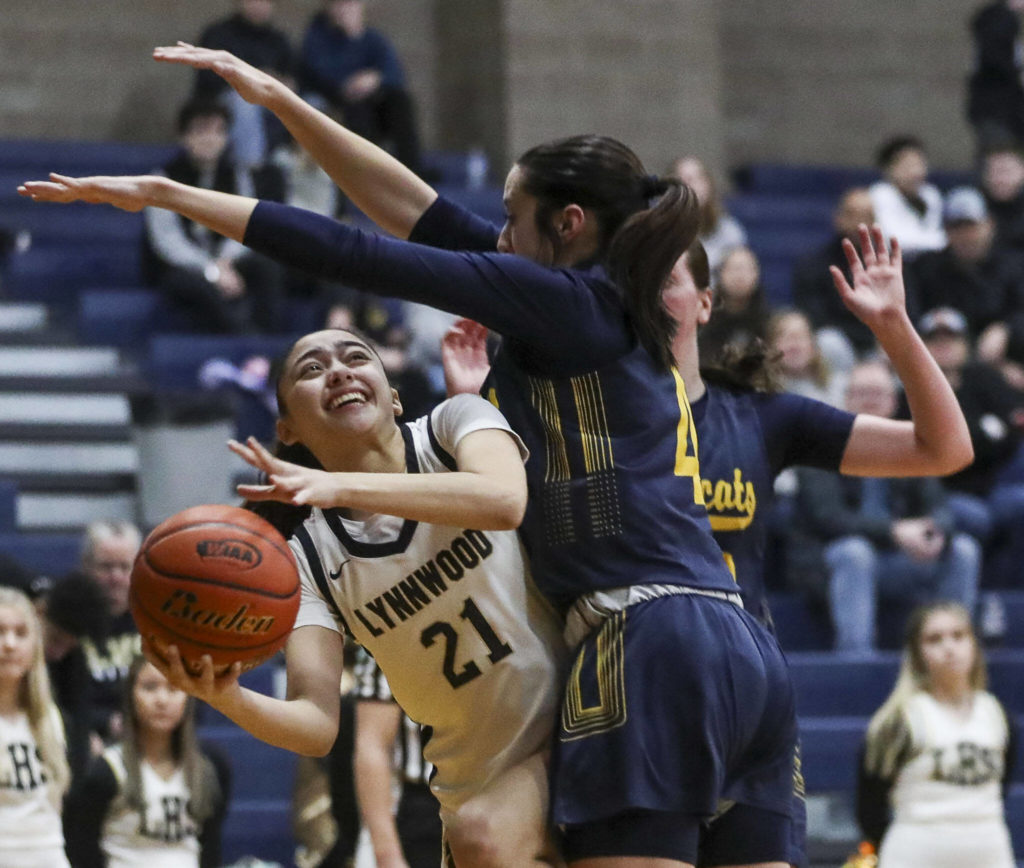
x=323, y=350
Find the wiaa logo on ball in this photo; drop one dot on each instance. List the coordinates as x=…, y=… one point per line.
x=234, y=552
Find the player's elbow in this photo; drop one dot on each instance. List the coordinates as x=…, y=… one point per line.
x=955, y=457
x=507, y=509
x=316, y=745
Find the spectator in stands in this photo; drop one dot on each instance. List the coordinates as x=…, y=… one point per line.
x=251, y=35
x=740, y=312
x=971, y=274
x=388, y=745
x=842, y=336
x=995, y=104
x=355, y=70
x=73, y=610
x=906, y=205
x=802, y=366
x=155, y=797
x=33, y=768
x=719, y=230
x=68, y=610
x=986, y=500
x=1002, y=180
x=108, y=552
x=220, y=284
x=938, y=754
x=889, y=539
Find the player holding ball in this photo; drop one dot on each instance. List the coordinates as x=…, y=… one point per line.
x=405, y=539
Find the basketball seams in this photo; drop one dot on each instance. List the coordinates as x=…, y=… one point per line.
x=220, y=583
x=152, y=540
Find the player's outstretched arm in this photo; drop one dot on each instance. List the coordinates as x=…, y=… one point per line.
x=487, y=492
x=388, y=192
x=935, y=442
x=224, y=213
x=306, y=722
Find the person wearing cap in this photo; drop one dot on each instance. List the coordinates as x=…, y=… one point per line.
x=906, y=205
x=986, y=498
x=972, y=274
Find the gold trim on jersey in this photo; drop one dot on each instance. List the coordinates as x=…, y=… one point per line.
x=598, y=460
x=686, y=464
x=579, y=720
x=557, y=466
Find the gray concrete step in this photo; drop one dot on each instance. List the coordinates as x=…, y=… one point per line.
x=67, y=511
x=50, y=361
x=64, y=408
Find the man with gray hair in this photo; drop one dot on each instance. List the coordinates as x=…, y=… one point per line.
x=108, y=552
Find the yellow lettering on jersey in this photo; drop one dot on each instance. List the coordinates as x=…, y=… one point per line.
x=492, y=396
x=579, y=720
x=687, y=464
x=731, y=505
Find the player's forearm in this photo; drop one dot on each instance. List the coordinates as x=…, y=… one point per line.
x=458, y=499
x=298, y=725
x=388, y=192
x=224, y=213
x=940, y=430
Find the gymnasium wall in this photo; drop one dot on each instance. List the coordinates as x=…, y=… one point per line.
x=793, y=80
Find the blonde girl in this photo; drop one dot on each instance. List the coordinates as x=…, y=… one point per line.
x=33, y=765
x=153, y=798
x=937, y=754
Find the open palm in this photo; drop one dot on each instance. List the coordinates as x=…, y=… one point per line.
x=877, y=291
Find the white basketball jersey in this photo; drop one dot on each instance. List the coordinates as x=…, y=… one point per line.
x=947, y=800
x=471, y=650
x=30, y=825
x=164, y=835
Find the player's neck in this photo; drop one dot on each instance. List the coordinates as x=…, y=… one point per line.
x=684, y=353
x=383, y=454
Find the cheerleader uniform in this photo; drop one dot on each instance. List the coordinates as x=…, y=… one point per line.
x=946, y=794
x=30, y=823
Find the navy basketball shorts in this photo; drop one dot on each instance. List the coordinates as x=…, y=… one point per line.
x=675, y=709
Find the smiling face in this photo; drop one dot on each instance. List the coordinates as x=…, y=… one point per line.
x=332, y=387
x=159, y=706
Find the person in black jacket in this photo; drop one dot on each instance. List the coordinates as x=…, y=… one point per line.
x=876, y=538
x=995, y=103
x=813, y=291
x=986, y=497
x=974, y=275
x=251, y=35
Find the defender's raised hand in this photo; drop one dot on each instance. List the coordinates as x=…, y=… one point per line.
x=877, y=292
x=252, y=84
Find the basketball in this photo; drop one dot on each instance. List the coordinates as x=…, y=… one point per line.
x=215, y=580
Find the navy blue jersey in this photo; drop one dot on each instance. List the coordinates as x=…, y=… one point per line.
x=615, y=491
x=746, y=439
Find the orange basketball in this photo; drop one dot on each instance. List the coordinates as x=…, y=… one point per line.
x=215, y=580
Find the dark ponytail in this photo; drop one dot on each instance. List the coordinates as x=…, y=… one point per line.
x=641, y=257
